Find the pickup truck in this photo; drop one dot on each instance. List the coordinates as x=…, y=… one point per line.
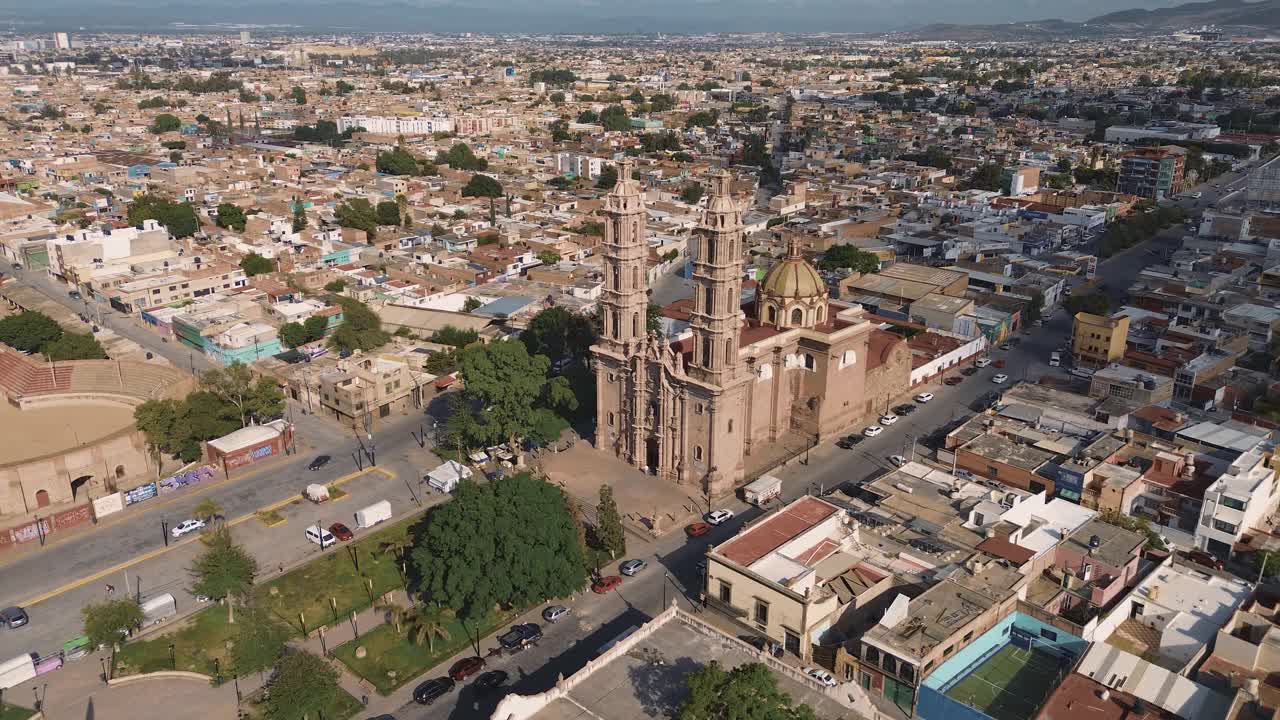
x=520, y=637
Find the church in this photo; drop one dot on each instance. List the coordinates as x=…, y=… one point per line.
x=789, y=369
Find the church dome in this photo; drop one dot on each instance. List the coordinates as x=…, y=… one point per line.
x=794, y=277
x=793, y=294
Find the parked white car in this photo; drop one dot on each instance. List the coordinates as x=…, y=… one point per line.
x=897, y=460
x=924, y=398
x=821, y=676
x=873, y=431
x=186, y=526
x=888, y=419
x=982, y=362
x=999, y=378
x=718, y=517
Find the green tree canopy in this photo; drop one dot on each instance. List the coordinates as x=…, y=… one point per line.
x=609, y=524
x=224, y=570
x=848, y=256
x=164, y=123
x=702, y=118
x=299, y=95
x=747, y=692
x=560, y=334
x=336, y=286
x=292, y=335
x=29, y=331
x=511, y=542
x=253, y=398
x=615, y=119
x=482, y=186
x=255, y=264
x=397, y=161
x=74, y=346
x=692, y=193
x=986, y=177
x=504, y=382
x=548, y=257
x=178, y=218
x=303, y=687
x=460, y=157
x=104, y=621
x=454, y=336
x=361, y=328
x=259, y=640
x=1092, y=303
x=388, y=213
x=608, y=177
x=472, y=303
x=299, y=218
x=359, y=214
x=231, y=216
x=316, y=327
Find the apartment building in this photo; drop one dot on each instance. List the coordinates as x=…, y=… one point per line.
x=174, y=287
x=1154, y=173
x=1237, y=502
x=369, y=387
x=1097, y=341
x=396, y=125
x=106, y=245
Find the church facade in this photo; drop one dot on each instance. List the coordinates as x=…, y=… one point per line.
x=792, y=366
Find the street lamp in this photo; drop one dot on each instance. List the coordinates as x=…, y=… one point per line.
x=164, y=531
x=103, y=662
x=173, y=657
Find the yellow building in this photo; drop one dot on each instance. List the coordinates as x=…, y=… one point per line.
x=1098, y=341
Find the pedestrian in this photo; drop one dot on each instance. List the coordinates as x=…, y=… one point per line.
x=111, y=589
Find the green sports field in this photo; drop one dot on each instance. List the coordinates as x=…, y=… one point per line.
x=1009, y=685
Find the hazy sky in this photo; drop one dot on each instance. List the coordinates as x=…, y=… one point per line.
x=567, y=15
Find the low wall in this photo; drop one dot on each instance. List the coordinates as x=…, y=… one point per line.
x=162, y=675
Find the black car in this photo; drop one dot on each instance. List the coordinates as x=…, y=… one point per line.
x=319, y=462
x=907, y=409
x=969, y=371
x=431, y=690
x=520, y=636
x=849, y=441
x=13, y=617
x=491, y=680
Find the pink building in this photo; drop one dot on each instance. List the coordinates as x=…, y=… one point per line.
x=1100, y=561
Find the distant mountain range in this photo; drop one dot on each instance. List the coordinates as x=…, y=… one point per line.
x=1233, y=17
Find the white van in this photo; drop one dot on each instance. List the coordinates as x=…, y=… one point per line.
x=156, y=610
x=320, y=536
x=1055, y=359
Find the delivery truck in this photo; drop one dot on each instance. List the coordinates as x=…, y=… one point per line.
x=156, y=610
x=763, y=490
x=374, y=514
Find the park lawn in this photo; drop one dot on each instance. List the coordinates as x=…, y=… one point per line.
x=13, y=712
x=345, y=706
x=196, y=645
x=308, y=589
x=385, y=650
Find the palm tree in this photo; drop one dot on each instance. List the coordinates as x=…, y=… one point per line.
x=397, y=615
x=428, y=623
x=207, y=511
x=397, y=548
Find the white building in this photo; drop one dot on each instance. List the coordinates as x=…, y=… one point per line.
x=62, y=41
x=394, y=125
x=1236, y=502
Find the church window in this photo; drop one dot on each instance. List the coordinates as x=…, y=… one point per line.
x=771, y=313
x=617, y=278
x=612, y=377
x=822, y=313
x=731, y=425
x=697, y=408
x=708, y=301
x=615, y=321
x=711, y=249
x=797, y=317
x=610, y=419
x=706, y=352
x=635, y=324
x=809, y=362
x=728, y=352
x=848, y=358
x=697, y=452
x=635, y=277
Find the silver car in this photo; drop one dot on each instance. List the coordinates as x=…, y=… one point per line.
x=631, y=567
x=554, y=613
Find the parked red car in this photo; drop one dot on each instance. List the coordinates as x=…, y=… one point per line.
x=605, y=584
x=697, y=529
x=465, y=668
x=340, y=531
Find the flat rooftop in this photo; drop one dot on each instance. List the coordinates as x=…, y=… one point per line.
x=776, y=530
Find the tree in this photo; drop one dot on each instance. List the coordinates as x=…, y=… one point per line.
x=299, y=95
x=397, y=161
x=207, y=510
x=505, y=382
x=548, y=257
x=1092, y=303
x=454, y=336
x=608, y=177
x=231, y=216
x=388, y=213
x=509, y=543
x=986, y=177
x=106, y=623
x=692, y=193
x=299, y=217
x=427, y=623
x=259, y=640
x=336, y=286
x=255, y=264
x=615, y=119
x=224, y=571
x=609, y=524
x=747, y=692
x=164, y=123
x=472, y=303
x=361, y=328
x=235, y=385
x=292, y=335
x=702, y=118
x=29, y=331
x=316, y=327
x=303, y=687
x=74, y=346
x=359, y=214
x=1035, y=306
x=560, y=335
x=848, y=256
x=460, y=157
x=482, y=186
x=343, y=87
x=178, y=218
